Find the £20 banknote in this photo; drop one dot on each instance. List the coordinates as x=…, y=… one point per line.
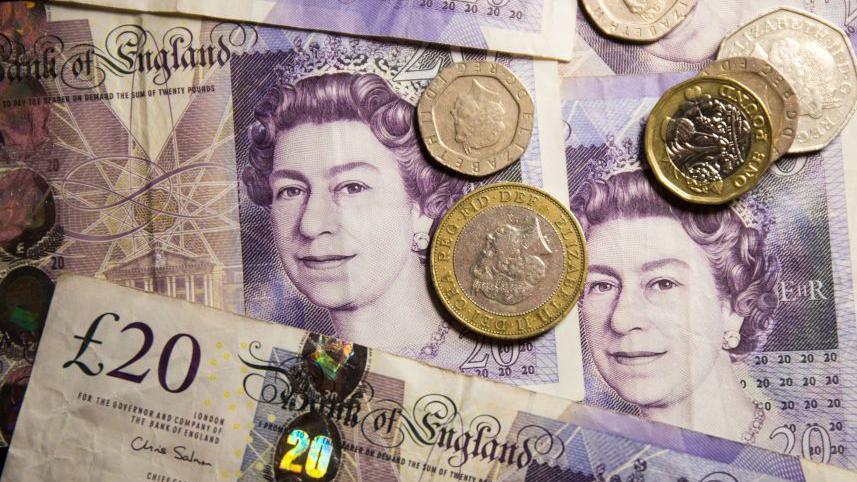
x=167, y=153
x=737, y=321
x=145, y=387
x=541, y=28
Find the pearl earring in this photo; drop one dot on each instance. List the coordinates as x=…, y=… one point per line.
x=420, y=242
x=731, y=339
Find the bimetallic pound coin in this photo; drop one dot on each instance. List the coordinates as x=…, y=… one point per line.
x=637, y=20
x=816, y=58
x=509, y=261
x=772, y=88
x=709, y=140
x=476, y=117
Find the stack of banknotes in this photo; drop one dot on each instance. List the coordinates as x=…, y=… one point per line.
x=161, y=321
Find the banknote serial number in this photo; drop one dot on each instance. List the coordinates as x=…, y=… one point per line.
x=125, y=370
x=494, y=8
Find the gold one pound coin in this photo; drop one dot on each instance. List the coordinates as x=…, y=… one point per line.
x=709, y=140
x=509, y=261
x=476, y=118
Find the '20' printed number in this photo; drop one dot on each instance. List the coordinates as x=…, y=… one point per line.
x=504, y=354
x=317, y=459
x=821, y=451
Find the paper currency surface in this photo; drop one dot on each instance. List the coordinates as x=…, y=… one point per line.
x=541, y=28
x=144, y=387
x=129, y=159
x=693, y=44
x=671, y=287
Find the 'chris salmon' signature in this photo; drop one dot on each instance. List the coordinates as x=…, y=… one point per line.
x=179, y=451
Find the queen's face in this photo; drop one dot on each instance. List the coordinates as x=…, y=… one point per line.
x=651, y=311
x=342, y=220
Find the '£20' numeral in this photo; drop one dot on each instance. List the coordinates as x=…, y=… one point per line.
x=148, y=340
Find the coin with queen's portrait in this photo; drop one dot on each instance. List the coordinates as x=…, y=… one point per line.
x=637, y=20
x=476, y=118
x=508, y=260
x=815, y=57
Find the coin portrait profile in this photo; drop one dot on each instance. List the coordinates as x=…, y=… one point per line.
x=508, y=260
x=676, y=296
x=647, y=9
x=637, y=20
x=336, y=162
x=690, y=46
x=810, y=65
x=506, y=270
x=478, y=117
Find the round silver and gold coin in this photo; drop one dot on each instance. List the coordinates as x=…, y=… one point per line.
x=709, y=140
x=637, y=20
x=509, y=261
x=476, y=118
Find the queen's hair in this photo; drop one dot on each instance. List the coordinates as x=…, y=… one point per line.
x=334, y=97
x=745, y=275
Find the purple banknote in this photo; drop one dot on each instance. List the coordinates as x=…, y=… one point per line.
x=693, y=44
x=542, y=28
x=735, y=321
x=234, y=399
x=337, y=203
x=260, y=170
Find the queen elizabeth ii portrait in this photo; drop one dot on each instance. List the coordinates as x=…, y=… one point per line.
x=675, y=297
x=335, y=160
